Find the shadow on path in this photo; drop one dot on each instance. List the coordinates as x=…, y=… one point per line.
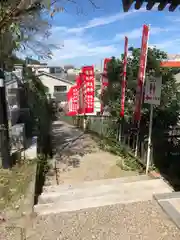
x=65, y=144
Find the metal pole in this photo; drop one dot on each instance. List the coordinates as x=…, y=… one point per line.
x=120, y=130
x=101, y=125
x=137, y=139
x=4, y=128
x=101, y=92
x=149, y=139
x=119, y=135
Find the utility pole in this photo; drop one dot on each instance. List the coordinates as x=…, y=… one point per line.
x=4, y=128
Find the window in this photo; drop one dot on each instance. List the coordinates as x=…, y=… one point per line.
x=56, y=70
x=60, y=88
x=52, y=70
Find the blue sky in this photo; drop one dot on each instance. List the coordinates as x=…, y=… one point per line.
x=94, y=34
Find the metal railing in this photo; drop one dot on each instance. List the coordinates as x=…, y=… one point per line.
x=165, y=149
x=109, y=128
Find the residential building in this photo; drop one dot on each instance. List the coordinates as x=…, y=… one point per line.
x=41, y=68
x=59, y=80
x=60, y=72
x=58, y=87
x=54, y=78
x=173, y=60
x=38, y=68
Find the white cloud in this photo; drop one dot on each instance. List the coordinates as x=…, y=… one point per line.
x=81, y=47
x=101, y=21
x=77, y=44
x=137, y=32
x=174, y=19
x=167, y=44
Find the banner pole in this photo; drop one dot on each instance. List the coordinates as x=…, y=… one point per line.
x=142, y=90
x=123, y=88
x=149, y=139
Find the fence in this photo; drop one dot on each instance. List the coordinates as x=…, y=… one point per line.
x=66, y=119
x=165, y=149
x=104, y=126
x=109, y=128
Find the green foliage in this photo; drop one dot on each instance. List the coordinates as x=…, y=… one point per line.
x=40, y=113
x=21, y=20
x=37, y=98
x=164, y=115
x=111, y=95
x=128, y=162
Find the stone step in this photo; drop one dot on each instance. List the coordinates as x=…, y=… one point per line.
x=127, y=193
x=95, y=183
x=87, y=189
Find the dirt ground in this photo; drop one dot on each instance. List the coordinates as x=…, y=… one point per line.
x=83, y=160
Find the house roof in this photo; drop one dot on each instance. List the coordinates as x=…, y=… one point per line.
x=150, y=4
x=55, y=77
x=60, y=75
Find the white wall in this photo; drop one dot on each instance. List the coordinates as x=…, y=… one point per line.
x=51, y=82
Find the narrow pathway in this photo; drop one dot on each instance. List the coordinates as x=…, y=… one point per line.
x=79, y=159
x=83, y=173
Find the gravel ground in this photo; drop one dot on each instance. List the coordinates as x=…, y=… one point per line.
x=137, y=221
x=12, y=233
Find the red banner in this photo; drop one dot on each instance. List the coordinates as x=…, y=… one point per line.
x=72, y=98
x=104, y=74
x=88, y=88
x=69, y=100
x=141, y=73
x=123, y=83
x=78, y=83
x=106, y=61
x=104, y=79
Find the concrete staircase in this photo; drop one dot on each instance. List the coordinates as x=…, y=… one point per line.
x=67, y=198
